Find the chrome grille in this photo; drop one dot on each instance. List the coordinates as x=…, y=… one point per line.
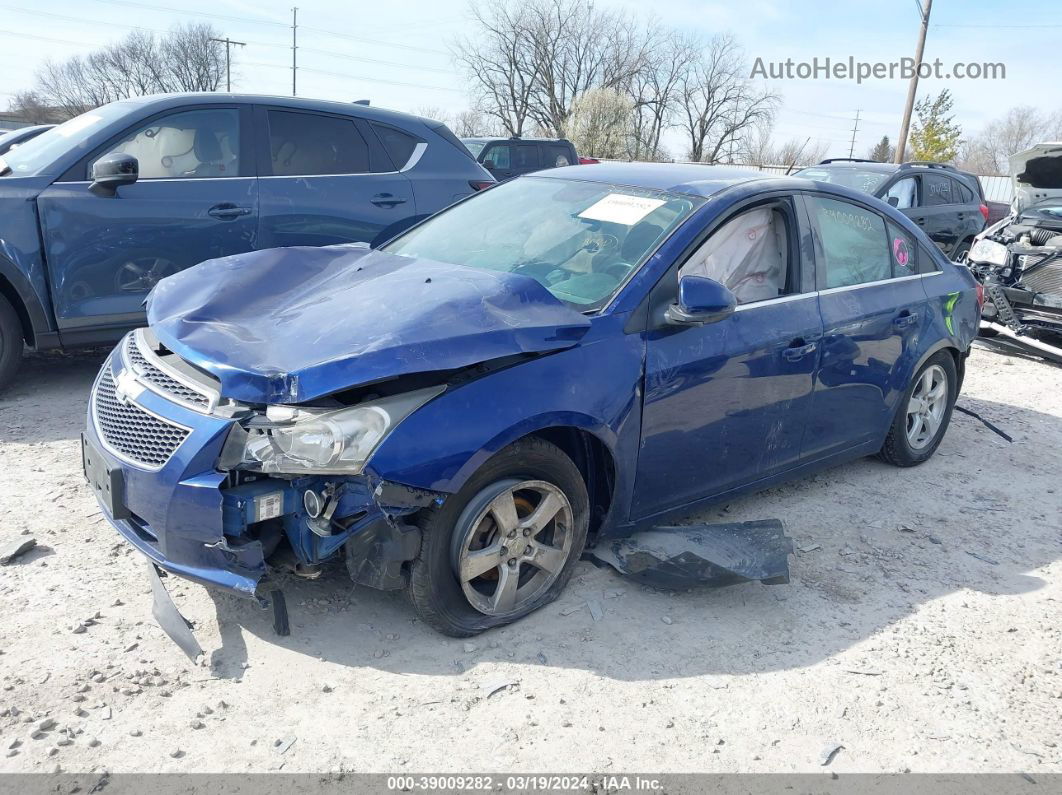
x=165, y=383
x=131, y=432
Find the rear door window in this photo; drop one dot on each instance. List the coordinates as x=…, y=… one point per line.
x=938, y=190
x=854, y=245
x=527, y=158
x=965, y=194
x=309, y=144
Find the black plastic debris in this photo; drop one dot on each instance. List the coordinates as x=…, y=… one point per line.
x=675, y=558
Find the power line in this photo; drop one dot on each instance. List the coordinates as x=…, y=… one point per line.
x=186, y=12
x=354, y=77
x=228, y=60
x=363, y=39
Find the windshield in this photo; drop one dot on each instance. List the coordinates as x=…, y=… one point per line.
x=856, y=178
x=579, y=239
x=475, y=147
x=37, y=154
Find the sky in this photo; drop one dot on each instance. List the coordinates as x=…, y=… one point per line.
x=396, y=53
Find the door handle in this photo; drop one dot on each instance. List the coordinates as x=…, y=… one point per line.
x=797, y=350
x=905, y=319
x=920, y=221
x=386, y=200
x=227, y=212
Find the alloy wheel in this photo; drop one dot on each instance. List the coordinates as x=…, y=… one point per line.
x=926, y=407
x=514, y=547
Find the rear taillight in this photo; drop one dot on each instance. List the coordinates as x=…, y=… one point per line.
x=481, y=184
x=980, y=296
x=984, y=211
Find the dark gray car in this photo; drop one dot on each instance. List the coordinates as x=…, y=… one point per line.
x=947, y=203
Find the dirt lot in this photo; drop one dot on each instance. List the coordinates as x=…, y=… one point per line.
x=921, y=632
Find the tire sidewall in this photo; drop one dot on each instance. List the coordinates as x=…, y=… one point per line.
x=434, y=588
x=903, y=447
x=11, y=343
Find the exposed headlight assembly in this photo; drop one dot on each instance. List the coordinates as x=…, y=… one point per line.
x=989, y=251
x=296, y=440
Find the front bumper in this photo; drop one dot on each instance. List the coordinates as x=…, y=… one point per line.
x=172, y=513
x=210, y=527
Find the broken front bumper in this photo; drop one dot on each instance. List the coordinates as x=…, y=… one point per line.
x=151, y=463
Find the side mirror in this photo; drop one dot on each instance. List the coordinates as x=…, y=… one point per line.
x=700, y=301
x=111, y=172
x=488, y=164
x=894, y=201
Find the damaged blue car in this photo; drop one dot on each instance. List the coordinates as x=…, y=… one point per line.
x=566, y=357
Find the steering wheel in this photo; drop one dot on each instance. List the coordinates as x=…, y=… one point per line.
x=619, y=270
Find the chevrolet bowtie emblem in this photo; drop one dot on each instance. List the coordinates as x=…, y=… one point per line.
x=126, y=387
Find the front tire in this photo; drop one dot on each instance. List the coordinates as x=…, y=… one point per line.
x=503, y=546
x=923, y=414
x=11, y=343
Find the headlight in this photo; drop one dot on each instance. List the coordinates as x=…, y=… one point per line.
x=296, y=440
x=989, y=251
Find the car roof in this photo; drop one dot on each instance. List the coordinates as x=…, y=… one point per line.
x=166, y=101
x=689, y=178
x=483, y=139
x=884, y=168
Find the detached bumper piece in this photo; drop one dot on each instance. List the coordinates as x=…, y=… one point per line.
x=676, y=558
x=169, y=617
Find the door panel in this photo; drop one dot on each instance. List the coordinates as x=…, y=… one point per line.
x=938, y=214
x=327, y=183
x=871, y=326
x=725, y=404
x=105, y=254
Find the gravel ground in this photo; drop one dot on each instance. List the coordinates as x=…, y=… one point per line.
x=920, y=632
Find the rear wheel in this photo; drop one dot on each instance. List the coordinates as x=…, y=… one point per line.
x=11, y=343
x=505, y=545
x=924, y=413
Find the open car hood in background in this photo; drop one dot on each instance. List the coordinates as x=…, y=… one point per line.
x=1038, y=167
x=294, y=324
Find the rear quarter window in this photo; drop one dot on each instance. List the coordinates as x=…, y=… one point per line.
x=399, y=145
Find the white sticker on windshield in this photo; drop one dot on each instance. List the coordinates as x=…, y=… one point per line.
x=77, y=124
x=620, y=208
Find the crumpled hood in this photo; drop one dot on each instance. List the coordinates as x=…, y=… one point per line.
x=293, y=324
x=1037, y=174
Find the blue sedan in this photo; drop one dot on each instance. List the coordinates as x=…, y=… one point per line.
x=565, y=357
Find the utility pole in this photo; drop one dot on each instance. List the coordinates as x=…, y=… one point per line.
x=912, y=89
x=855, y=129
x=228, y=60
x=294, y=46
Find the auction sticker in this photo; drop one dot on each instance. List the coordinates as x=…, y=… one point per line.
x=621, y=208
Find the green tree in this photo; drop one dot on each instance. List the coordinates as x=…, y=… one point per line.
x=935, y=135
x=882, y=151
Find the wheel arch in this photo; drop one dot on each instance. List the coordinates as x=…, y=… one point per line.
x=15, y=287
x=589, y=443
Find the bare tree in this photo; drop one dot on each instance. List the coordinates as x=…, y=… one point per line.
x=791, y=155
x=185, y=59
x=433, y=112
x=472, y=122
x=32, y=108
x=529, y=59
x=654, y=89
x=721, y=108
x=500, y=62
x=1021, y=127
